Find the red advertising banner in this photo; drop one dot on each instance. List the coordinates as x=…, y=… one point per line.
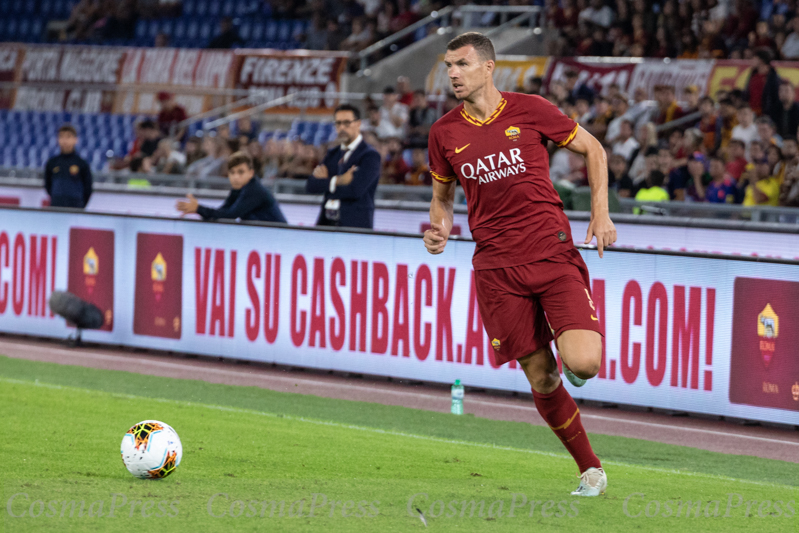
x=679, y=74
x=312, y=75
x=596, y=75
x=91, y=269
x=159, y=285
x=764, y=369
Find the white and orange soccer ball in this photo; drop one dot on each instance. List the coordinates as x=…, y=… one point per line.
x=151, y=450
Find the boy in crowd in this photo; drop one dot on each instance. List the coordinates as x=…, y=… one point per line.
x=248, y=199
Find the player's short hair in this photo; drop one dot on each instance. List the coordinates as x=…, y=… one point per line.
x=349, y=107
x=482, y=45
x=239, y=158
x=68, y=128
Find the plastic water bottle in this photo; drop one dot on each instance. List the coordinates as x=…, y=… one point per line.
x=457, y=398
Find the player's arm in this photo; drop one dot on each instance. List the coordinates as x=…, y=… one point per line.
x=441, y=209
x=596, y=163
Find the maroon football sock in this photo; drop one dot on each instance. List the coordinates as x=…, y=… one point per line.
x=563, y=416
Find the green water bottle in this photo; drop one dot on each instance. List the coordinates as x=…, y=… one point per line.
x=457, y=398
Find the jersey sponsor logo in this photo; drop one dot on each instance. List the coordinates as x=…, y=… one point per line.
x=73, y=169
x=513, y=133
x=494, y=167
x=459, y=150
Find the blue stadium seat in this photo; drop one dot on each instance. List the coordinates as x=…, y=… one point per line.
x=152, y=29
x=179, y=31
x=257, y=31
x=17, y=6
x=284, y=31
x=227, y=8
x=243, y=7
x=189, y=7
x=201, y=8
x=192, y=30
x=166, y=27
x=205, y=30
x=141, y=29
x=245, y=30
x=11, y=29
x=36, y=29
x=213, y=8
x=271, y=30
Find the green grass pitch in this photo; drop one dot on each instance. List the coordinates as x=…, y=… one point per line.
x=257, y=460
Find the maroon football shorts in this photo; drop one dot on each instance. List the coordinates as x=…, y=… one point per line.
x=519, y=304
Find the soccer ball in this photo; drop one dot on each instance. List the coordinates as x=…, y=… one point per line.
x=151, y=450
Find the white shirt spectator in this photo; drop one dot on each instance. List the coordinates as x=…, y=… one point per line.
x=387, y=128
x=626, y=148
x=747, y=135
x=601, y=17
x=559, y=165
x=790, y=48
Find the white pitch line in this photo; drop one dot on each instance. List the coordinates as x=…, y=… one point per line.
x=408, y=394
x=384, y=431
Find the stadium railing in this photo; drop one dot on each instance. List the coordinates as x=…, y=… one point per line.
x=465, y=16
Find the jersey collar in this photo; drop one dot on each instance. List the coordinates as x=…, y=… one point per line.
x=471, y=120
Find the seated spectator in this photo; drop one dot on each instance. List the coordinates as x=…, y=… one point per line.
x=576, y=90
x=669, y=109
x=248, y=199
x=787, y=122
x=789, y=190
x=420, y=119
x=419, y=173
x=597, y=13
x=707, y=124
x=394, y=166
x=168, y=160
x=582, y=112
x=145, y=142
x=170, y=115
x=726, y=122
x=228, y=36
x=766, y=132
x=722, y=189
x=372, y=120
x=691, y=97
x=393, y=116
x=600, y=118
x=404, y=90
x=641, y=166
x=683, y=181
x=790, y=48
x=665, y=161
x=361, y=36
x=194, y=150
x=759, y=187
x=625, y=143
x=316, y=38
x=618, y=178
x=212, y=164
x=246, y=127
x=620, y=107
x=653, y=190
x=736, y=158
x=746, y=129
x=256, y=151
x=335, y=35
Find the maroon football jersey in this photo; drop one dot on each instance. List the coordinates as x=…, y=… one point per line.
x=515, y=214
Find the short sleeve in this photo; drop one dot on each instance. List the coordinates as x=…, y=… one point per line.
x=551, y=122
x=440, y=168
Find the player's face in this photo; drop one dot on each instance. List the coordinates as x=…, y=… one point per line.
x=467, y=72
x=239, y=176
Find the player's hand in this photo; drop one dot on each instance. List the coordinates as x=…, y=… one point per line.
x=435, y=239
x=603, y=229
x=320, y=172
x=189, y=206
x=346, y=178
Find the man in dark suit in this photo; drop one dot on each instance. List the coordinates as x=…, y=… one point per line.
x=67, y=176
x=348, y=175
x=248, y=199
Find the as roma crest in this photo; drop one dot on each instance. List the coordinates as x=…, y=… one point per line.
x=768, y=329
x=513, y=133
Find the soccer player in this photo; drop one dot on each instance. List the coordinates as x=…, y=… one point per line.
x=525, y=262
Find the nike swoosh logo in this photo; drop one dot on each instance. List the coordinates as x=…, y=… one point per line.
x=594, y=318
x=459, y=150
